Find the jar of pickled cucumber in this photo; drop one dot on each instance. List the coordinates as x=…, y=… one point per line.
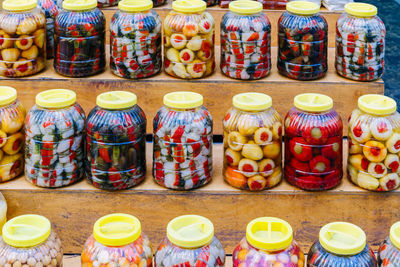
x=252, y=143
x=389, y=250
x=245, y=41
x=79, y=39
x=29, y=240
x=135, y=40
x=374, y=144
x=51, y=8
x=268, y=242
x=313, y=134
x=116, y=142
x=54, y=147
x=302, y=41
x=189, y=40
x=3, y=211
x=117, y=240
x=182, y=155
x=267, y=4
x=22, y=38
x=190, y=242
x=341, y=244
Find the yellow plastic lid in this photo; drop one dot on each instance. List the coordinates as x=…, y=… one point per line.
x=252, y=101
x=245, y=7
x=362, y=10
x=377, y=104
x=79, y=5
x=117, y=229
x=395, y=235
x=56, y=98
x=302, y=7
x=135, y=5
x=313, y=102
x=26, y=231
x=116, y=100
x=19, y=5
x=269, y=233
x=7, y=95
x=189, y=6
x=190, y=231
x=342, y=238
x=183, y=99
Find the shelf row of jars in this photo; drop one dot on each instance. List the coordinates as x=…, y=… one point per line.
x=189, y=53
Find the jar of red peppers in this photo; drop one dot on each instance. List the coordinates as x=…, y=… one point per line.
x=116, y=142
x=389, y=250
x=252, y=143
x=374, y=144
x=267, y=4
x=268, y=242
x=245, y=41
x=190, y=242
x=54, y=147
x=22, y=38
x=313, y=143
x=302, y=41
x=182, y=156
x=189, y=40
x=135, y=40
x=117, y=240
x=79, y=39
x=51, y=9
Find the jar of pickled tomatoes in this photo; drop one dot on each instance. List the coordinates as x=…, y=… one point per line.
x=252, y=143
x=51, y=8
x=389, y=250
x=313, y=143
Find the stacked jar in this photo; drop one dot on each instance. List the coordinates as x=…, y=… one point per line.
x=360, y=43
x=23, y=38
x=107, y=3
x=116, y=142
x=341, y=244
x=189, y=40
x=79, y=39
x=245, y=41
x=374, y=144
x=51, y=9
x=135, y=40
x=252, y=143
x=190, y=242
x=302, y=41
x=313, y=138
x=389, y=250
x=54, y=147
x=117, y=240
x=267, y=4
x=268, y=242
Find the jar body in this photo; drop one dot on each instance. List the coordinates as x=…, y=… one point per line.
x=182, y=156
x=135, y=44
x=267, y=4
x=79, y=43
x=107, y=3
x=313, y=154
x=48, y=253
x=23, y=42
x=116, y=148
x=374, y=144
x=51, y=9
x=189, y=44
x=245, y=46
x=360, y=47
x=388, y=254
x=302, y=46
x=54, y=146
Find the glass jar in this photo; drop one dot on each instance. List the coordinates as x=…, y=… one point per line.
x=3, y=212
x=190, y=242
x=302, y=42
x=117, y=240
x=267, y=4
x=107, y=3
x=189, y=40
x=268, y=242
x=360, y=43
x=182, y=156
x=22, y=38
x=341, y=244
x=28, y=240
x=51, y=9
x=54, y=147
x=313, y=134
x=252, y=143
x=116, y=142
x=79, y=39
x=245, y=41
x=389, y=250
x=374, y=144
x=135, y=40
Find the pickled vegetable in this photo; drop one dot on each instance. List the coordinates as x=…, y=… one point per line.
x=51, y=8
